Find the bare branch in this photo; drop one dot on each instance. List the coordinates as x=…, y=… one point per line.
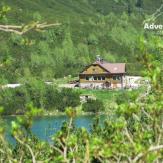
x=129, y=137
x=20, y=30
x=58, y=150
x=10, y=26
x=151, y=149
x=11, y=31
x=28, y=147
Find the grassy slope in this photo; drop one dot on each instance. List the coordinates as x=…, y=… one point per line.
x=108, y=95
x=100, y=94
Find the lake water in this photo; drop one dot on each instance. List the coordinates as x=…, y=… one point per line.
x=45, y=127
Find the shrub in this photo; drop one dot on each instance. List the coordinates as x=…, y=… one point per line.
x=51, y=97
x=67, y=98
x=40, y=95
x=36, y=92
x=60, y=99
x=93, y=106
x=127, y=97
x=13, y=100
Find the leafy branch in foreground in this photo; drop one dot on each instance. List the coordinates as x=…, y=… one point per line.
x=22, y=29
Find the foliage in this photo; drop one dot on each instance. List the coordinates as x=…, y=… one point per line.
x=94, y=106
x=127, y=97
x=89, y=28
x=111, y=95
x=137, y=122
x=61, y=99
x=13, y=100
x=47, y=97
x=133, y=134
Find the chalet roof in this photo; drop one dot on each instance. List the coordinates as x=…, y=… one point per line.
x=113, y=68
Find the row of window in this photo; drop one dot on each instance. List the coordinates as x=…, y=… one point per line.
x=116, y=78
x=95, y=78
x=101, y=78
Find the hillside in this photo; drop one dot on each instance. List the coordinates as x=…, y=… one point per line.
x=80, y=7
x=89, y=28
x=71, y=9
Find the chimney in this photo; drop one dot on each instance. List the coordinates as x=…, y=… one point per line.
x=99, y=59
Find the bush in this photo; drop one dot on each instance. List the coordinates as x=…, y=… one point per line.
x=36, y=92
x=127, y=97
x=60, y=99
x=13, y=100
x=93, y=106
x=40, y=95
x=67, y=98
x=51, y=97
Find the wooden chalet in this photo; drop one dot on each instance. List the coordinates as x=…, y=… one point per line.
x=102, y=74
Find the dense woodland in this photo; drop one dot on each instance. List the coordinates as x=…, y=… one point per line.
x=88, y=28
x=114, y=29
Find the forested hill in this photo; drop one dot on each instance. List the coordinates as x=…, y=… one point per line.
x=111, y=28
x=67, y=10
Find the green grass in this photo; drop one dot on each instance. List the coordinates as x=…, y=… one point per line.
x=100, y=94
x=64, y=80
x=109, y=95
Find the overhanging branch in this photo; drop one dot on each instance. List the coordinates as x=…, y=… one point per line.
x=151, y=149
x=22, y=29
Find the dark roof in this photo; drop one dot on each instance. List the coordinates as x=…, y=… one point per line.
x=113, y=68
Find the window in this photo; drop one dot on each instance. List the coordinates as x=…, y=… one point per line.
x=87, y=78
x=95, y=78
x=99, y=77
x=103, y=77
x=116, y=78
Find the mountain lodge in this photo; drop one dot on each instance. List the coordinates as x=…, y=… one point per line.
x=102, y=74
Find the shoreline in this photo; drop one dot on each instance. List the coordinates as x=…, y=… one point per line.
x=58, y=114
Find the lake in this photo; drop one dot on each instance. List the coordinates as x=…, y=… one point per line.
x=45, y=127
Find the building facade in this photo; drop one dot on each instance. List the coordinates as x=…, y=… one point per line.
x=102, y=74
